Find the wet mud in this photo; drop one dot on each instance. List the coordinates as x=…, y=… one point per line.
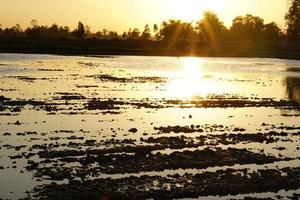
x=90, y=128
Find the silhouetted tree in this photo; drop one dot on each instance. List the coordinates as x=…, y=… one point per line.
x=146, y=35
x=17, y=30
x=98, y=35
x=245, y=33
x=133, y=34
x=34, y=23
x=155, y=28
x=293, y=20
x=54, y=31
x=112, y=35
x=247, y=28
x=105, y=32
x=87, y=31
x=272, y=33
x=64, y=31
x=80, y=31
x=124, y=36
x=104, y=35
x=171, y=30
x=14, y=31
x=156, y=31
x=177, y=31
x=211, y=30
x=35, y=30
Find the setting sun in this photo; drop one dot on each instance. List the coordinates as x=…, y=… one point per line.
x=190, y=10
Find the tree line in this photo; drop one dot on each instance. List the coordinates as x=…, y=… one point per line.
x=209, y=30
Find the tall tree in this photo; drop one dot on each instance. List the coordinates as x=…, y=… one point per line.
x=247, y=28
x=293, y=20
x=124, y=35
x=155, y=28
x=272, y=33
x=176, y=31
x=87, y=31
x=146, y=33
x=156, y=31
x=80, y=31
x=105, y=32
x=211, y=29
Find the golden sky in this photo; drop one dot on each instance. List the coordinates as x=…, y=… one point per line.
x=119, y=15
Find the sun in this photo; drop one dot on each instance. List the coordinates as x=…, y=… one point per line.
x=191, y=10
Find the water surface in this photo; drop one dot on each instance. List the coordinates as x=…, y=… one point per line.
x=109, y=102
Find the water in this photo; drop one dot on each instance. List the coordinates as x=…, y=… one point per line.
x=143, y=91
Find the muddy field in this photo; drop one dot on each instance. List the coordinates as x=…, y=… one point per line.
x=149, y=127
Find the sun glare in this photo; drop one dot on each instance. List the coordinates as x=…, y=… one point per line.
x=190, y=10
x=191, y=81
x=192, y=68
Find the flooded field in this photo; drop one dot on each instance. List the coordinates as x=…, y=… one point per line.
x=149, y=127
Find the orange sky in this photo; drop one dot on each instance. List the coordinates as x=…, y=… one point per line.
x=119, y=15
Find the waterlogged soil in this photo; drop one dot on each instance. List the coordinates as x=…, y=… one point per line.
x=148, y=128
x=221, y=182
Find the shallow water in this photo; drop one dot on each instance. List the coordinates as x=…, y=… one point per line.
x=54, y=100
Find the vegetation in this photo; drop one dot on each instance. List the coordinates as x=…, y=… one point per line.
x=247, y=34
x=208, y=30
x=293, y=21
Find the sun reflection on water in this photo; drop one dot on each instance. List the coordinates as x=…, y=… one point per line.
x=192, y=80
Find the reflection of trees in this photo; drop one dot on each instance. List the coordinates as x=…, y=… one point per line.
x=293, y=88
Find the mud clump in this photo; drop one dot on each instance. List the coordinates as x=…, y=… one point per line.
x=51, y=70
x=221, y=183
x=97, y=104
x=3, y=98
x=18, y=123
x=109, y=104
x=133, y=130
x=106, y=78
x=180, y=129
x=144, y=160
x=140, y=79
x=28, y=78
x=153, y=79
x=87, y=86
x=234, y=103
x=69, y=96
